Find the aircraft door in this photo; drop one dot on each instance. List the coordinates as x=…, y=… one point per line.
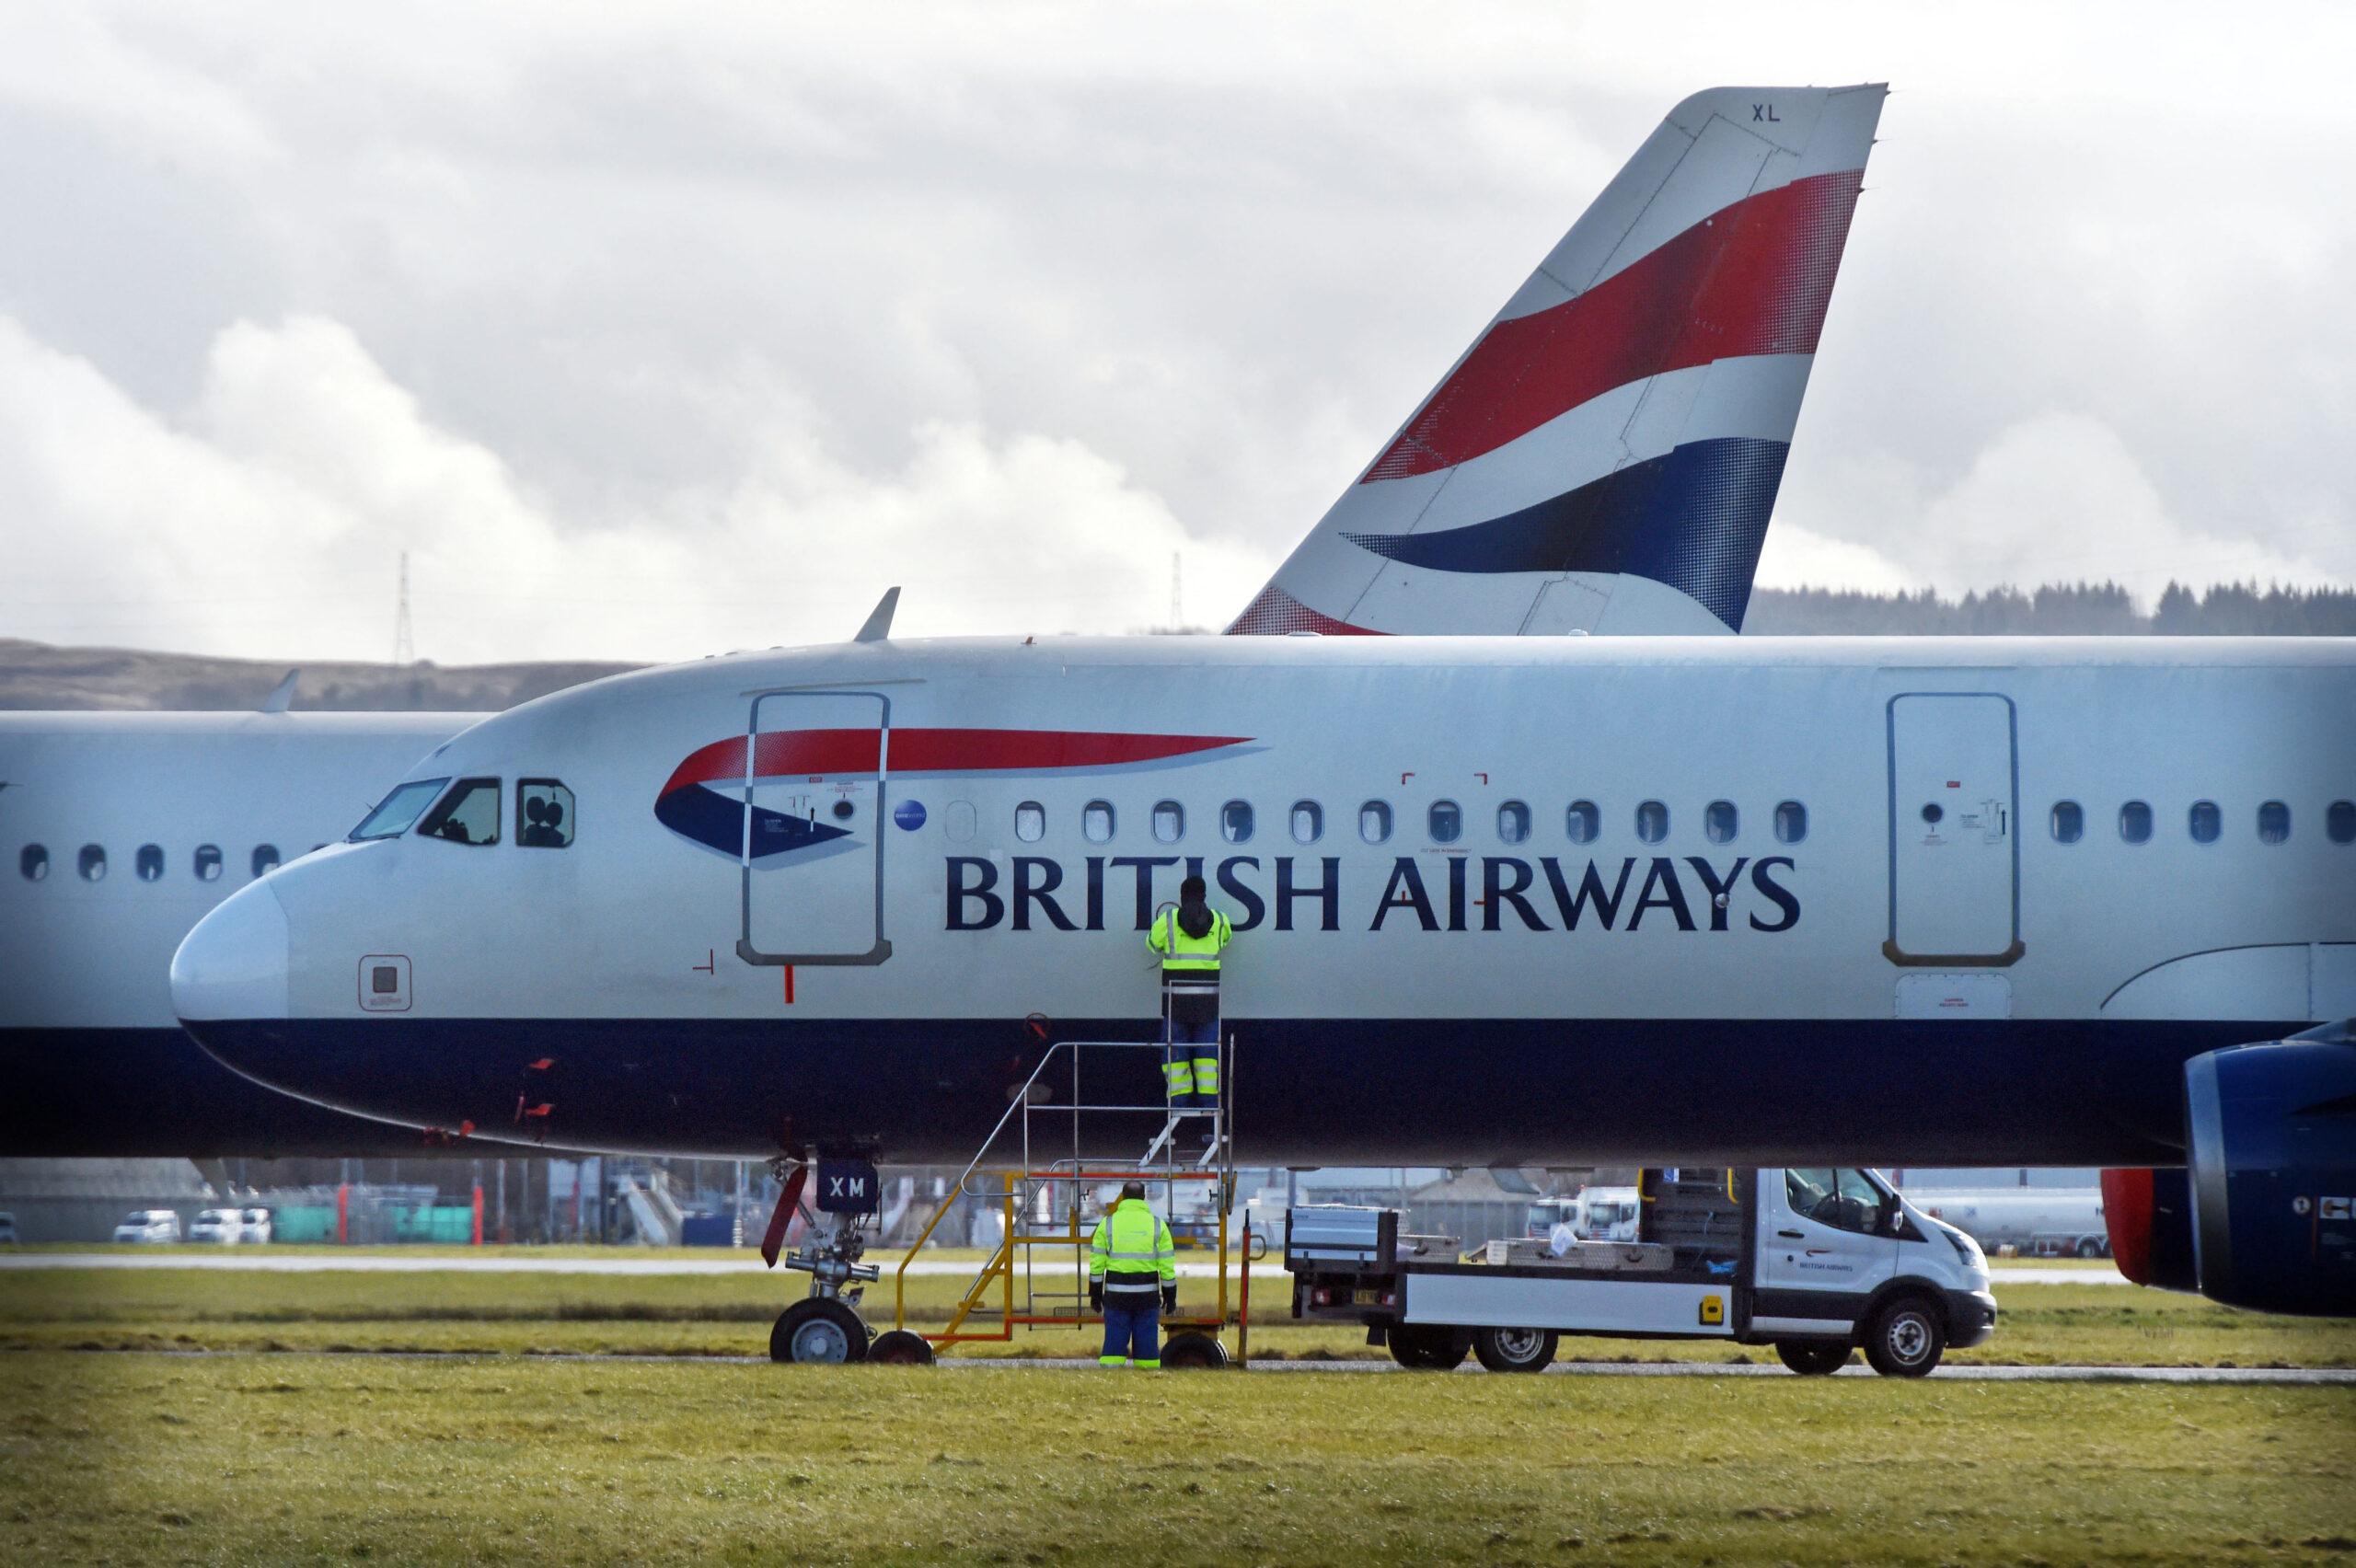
x=813, y=860
x=1954, y=850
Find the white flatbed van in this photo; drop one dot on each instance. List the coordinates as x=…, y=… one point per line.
x=1815, y=1262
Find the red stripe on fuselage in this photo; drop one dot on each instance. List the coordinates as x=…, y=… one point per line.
x=1753, y=278
x=822, y=753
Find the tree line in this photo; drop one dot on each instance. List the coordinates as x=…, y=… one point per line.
x=2057, y=609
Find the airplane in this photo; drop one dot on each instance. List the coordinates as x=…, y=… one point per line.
x=1797, y=901
x=123, y=830
x=1693, y=251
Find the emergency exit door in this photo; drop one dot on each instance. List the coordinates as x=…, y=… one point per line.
x=1954, y=830
x=813, y=860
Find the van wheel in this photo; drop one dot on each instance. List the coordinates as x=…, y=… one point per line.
x=1906, y=1338
x=1515, y=1350
x=820, y=1330
x=1430, y=1347
x=1812, y=1358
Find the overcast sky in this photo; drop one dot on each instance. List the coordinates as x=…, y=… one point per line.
x=656, y=330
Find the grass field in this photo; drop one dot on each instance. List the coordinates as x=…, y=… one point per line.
x=313, y=1458
x=300, y=1456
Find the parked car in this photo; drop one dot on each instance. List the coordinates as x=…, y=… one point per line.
x=224, y=1225
x=256, y=1227
x=7, y=1229
x=149, y=1224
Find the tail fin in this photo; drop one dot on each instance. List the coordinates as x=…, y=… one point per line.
x=1605, y=456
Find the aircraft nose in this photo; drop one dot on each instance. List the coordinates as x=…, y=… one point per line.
x=233, y=965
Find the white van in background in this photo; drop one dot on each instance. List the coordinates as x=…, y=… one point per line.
x=149, y=1225
x=217, y=1225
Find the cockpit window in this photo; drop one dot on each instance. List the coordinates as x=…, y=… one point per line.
x=467, y=814
x=396, y=811
x=543, y=814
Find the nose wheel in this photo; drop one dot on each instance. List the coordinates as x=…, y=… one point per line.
x=821, y=1330
x=824, y=1328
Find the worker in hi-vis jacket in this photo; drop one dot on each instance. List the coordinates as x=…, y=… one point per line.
x=1189, y=939
x=1132, y=1271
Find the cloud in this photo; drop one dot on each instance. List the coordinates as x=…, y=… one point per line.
x=1795, y=557
x=273, y=512
x=2057, y=497
x=623, y=308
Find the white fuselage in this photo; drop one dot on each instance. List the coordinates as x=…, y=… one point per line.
x=1765, y=896
x=118, y=831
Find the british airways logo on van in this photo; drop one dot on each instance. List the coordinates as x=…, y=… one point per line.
x=692, y=804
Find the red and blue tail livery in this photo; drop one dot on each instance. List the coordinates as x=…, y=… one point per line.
x=1605, y=456
x=708, y=796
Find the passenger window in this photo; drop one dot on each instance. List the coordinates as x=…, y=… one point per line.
x=93, y=863
x=2069, y=821
x=1096, y=822
x=2204, y=821
x=1804, y=1191
x=2135, y=822
x=1719, y=820
x=1235, y=822
x=149, y=863
x=265, y=859
x=1447, y=820
x=1169, y=822
x=33, y=861
x=1583, y=822
x=543, y=815
x=1374, y=822
x=1513, y=823
x=2273, y=823
x=1308, y=822
x=2340, y=822
x=396, y=811
x=208, y=862
x=1652, y=822
x=1791, y=823
x=1030, y=822
x=467, y=814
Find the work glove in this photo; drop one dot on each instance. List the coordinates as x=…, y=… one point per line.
x=1170, y=1299
x=1096, y=1295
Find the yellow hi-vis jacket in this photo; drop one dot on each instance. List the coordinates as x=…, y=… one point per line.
x=1182, y=954
x=1131, y=1250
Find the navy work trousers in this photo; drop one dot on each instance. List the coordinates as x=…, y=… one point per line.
x=1132, y=1328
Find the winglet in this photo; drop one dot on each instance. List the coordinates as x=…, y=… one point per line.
x=282, y=695
x=879, y=619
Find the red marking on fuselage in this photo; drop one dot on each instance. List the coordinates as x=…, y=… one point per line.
x=818, y=755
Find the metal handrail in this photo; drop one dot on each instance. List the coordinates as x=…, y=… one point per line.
x=1022, y=1187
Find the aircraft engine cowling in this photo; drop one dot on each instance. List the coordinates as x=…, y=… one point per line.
x=2271, y=1145
x=2149, y=1214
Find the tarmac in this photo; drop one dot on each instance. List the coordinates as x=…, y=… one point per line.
x=263, y=1262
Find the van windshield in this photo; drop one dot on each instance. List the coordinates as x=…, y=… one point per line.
x=396, y=811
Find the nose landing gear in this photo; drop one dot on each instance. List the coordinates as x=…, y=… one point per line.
x=825, y=1326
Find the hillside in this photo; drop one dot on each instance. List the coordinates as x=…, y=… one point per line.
x=36, y=676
